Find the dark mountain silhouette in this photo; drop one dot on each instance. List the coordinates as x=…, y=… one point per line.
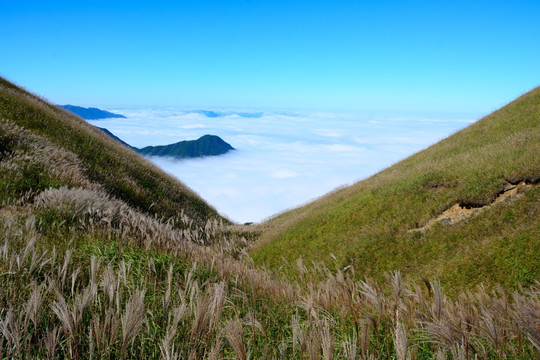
x=91, y=113
x=207, y=145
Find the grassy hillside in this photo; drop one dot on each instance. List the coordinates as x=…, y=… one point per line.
x=120, y=171
x=370, y=225
x=90, y=269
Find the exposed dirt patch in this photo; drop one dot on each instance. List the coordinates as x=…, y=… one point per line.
x=511, y=190
x=459, y=212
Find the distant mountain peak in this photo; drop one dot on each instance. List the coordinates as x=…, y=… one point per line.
x=91, y=113
x=206, y=145
x=215, y=114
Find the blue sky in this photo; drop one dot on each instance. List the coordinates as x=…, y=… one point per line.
x=420, y=57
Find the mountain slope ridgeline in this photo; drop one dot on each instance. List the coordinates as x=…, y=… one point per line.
x=397, y=219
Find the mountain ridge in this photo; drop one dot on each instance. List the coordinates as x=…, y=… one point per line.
x=91, y=113
x=206, y=145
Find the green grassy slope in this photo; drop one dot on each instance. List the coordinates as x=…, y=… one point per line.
x=368, y=224
x=122, y=172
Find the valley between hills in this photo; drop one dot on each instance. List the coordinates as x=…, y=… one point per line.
x=104, y=255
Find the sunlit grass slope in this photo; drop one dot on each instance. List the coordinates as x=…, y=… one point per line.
x=122, y=172
x=369, y=224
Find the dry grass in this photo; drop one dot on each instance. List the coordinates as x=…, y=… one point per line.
x=110, y=307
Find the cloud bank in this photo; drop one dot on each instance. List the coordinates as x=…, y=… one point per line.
x=282, y=160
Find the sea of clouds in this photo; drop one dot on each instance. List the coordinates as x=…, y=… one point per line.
x=282, y=159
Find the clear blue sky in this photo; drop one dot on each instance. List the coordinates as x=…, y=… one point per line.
x=413, y=56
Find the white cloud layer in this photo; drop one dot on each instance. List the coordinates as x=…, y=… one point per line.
x=282, y=160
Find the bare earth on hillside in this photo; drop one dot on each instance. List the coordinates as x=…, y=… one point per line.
x=457, y=213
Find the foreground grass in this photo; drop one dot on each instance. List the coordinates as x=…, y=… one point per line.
x=87, y=271
x=76, y=291
x=371, y=224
